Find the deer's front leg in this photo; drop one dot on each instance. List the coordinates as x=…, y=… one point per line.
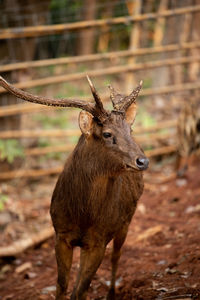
x=64, y=252
x=117, y=244
x=89, y=262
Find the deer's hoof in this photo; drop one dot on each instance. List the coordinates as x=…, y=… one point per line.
x=111, y=294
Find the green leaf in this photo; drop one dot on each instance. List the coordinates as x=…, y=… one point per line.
x=10, y=149
x=3, y=200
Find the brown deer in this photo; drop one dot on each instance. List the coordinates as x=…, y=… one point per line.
x=96, y=194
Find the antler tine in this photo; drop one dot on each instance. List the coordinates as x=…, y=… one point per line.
x=94, y=93
x=122, y=103
x=115, y=97
x=132, y=97
x=90, y=107
x=101, y=113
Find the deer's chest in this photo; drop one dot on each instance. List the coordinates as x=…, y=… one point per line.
x=113, y=200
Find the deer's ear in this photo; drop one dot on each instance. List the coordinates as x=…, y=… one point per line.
x=131, y=113
x=85, y=122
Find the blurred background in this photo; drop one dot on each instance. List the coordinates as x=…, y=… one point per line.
x=48, y=47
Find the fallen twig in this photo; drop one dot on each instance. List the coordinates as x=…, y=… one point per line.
x=21, y=245
x=149, y=232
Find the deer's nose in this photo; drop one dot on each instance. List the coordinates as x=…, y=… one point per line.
x=142, y=163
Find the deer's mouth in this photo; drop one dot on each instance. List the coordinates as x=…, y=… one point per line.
x=131, y=168
x=141, y=164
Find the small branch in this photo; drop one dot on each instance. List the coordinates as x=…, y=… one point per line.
x=160, y=151
x=30, y=173
x=23, y=244
x=149, y=233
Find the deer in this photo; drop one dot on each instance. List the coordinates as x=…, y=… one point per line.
x=97, y=192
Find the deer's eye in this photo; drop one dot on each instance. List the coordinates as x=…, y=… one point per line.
x=107, y=135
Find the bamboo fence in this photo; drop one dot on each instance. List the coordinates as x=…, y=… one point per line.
x=184, y=55
x=31, y=31
x=99, y=56
x=105, y=71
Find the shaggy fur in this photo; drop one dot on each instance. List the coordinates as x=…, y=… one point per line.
x=94, y=200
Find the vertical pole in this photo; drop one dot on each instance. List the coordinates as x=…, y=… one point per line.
x=160, y=25
x=134, y=8
x=87, y=35
x=161, y=77
x=194, y=67
x=184, y=36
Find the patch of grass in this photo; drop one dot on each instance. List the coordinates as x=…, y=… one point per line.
x=82, y=68
x=149, y=147
x=10, y=149
x=107, y=80
x=59, y=120
x=50, y=70
x=145, y=118
x=53, y=155
x=69, y=90
x=44, y=142
x=73, y=139
x=37, y=90
x=3, y=200
x=147, y=83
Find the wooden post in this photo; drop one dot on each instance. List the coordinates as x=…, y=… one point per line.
x=160, y=25
x=86, y=37
x=104, y=37
x=194, y=67
x=161, y=78
x=184, y=36
x=134, y=8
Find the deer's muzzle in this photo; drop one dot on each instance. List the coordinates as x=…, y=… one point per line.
x=142, y=163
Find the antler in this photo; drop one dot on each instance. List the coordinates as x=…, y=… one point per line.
x=120, y=102
x=96, y=110
x=116, y=98
x=102, y=113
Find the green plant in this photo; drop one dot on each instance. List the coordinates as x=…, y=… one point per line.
x=59, y=120
x=73, y=139
x=68, y=90
x=147, y=83
x=10, y=149
x=44, y=142
x=145, y=118
x=3, y=200
x=53, y=155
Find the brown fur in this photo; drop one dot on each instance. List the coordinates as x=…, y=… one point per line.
x=94, y=200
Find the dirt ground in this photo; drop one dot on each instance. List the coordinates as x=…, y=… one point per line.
x=160, y=258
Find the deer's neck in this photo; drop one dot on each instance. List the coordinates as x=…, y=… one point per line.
x=91, y=159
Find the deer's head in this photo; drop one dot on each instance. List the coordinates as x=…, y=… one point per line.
x=112, y=129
